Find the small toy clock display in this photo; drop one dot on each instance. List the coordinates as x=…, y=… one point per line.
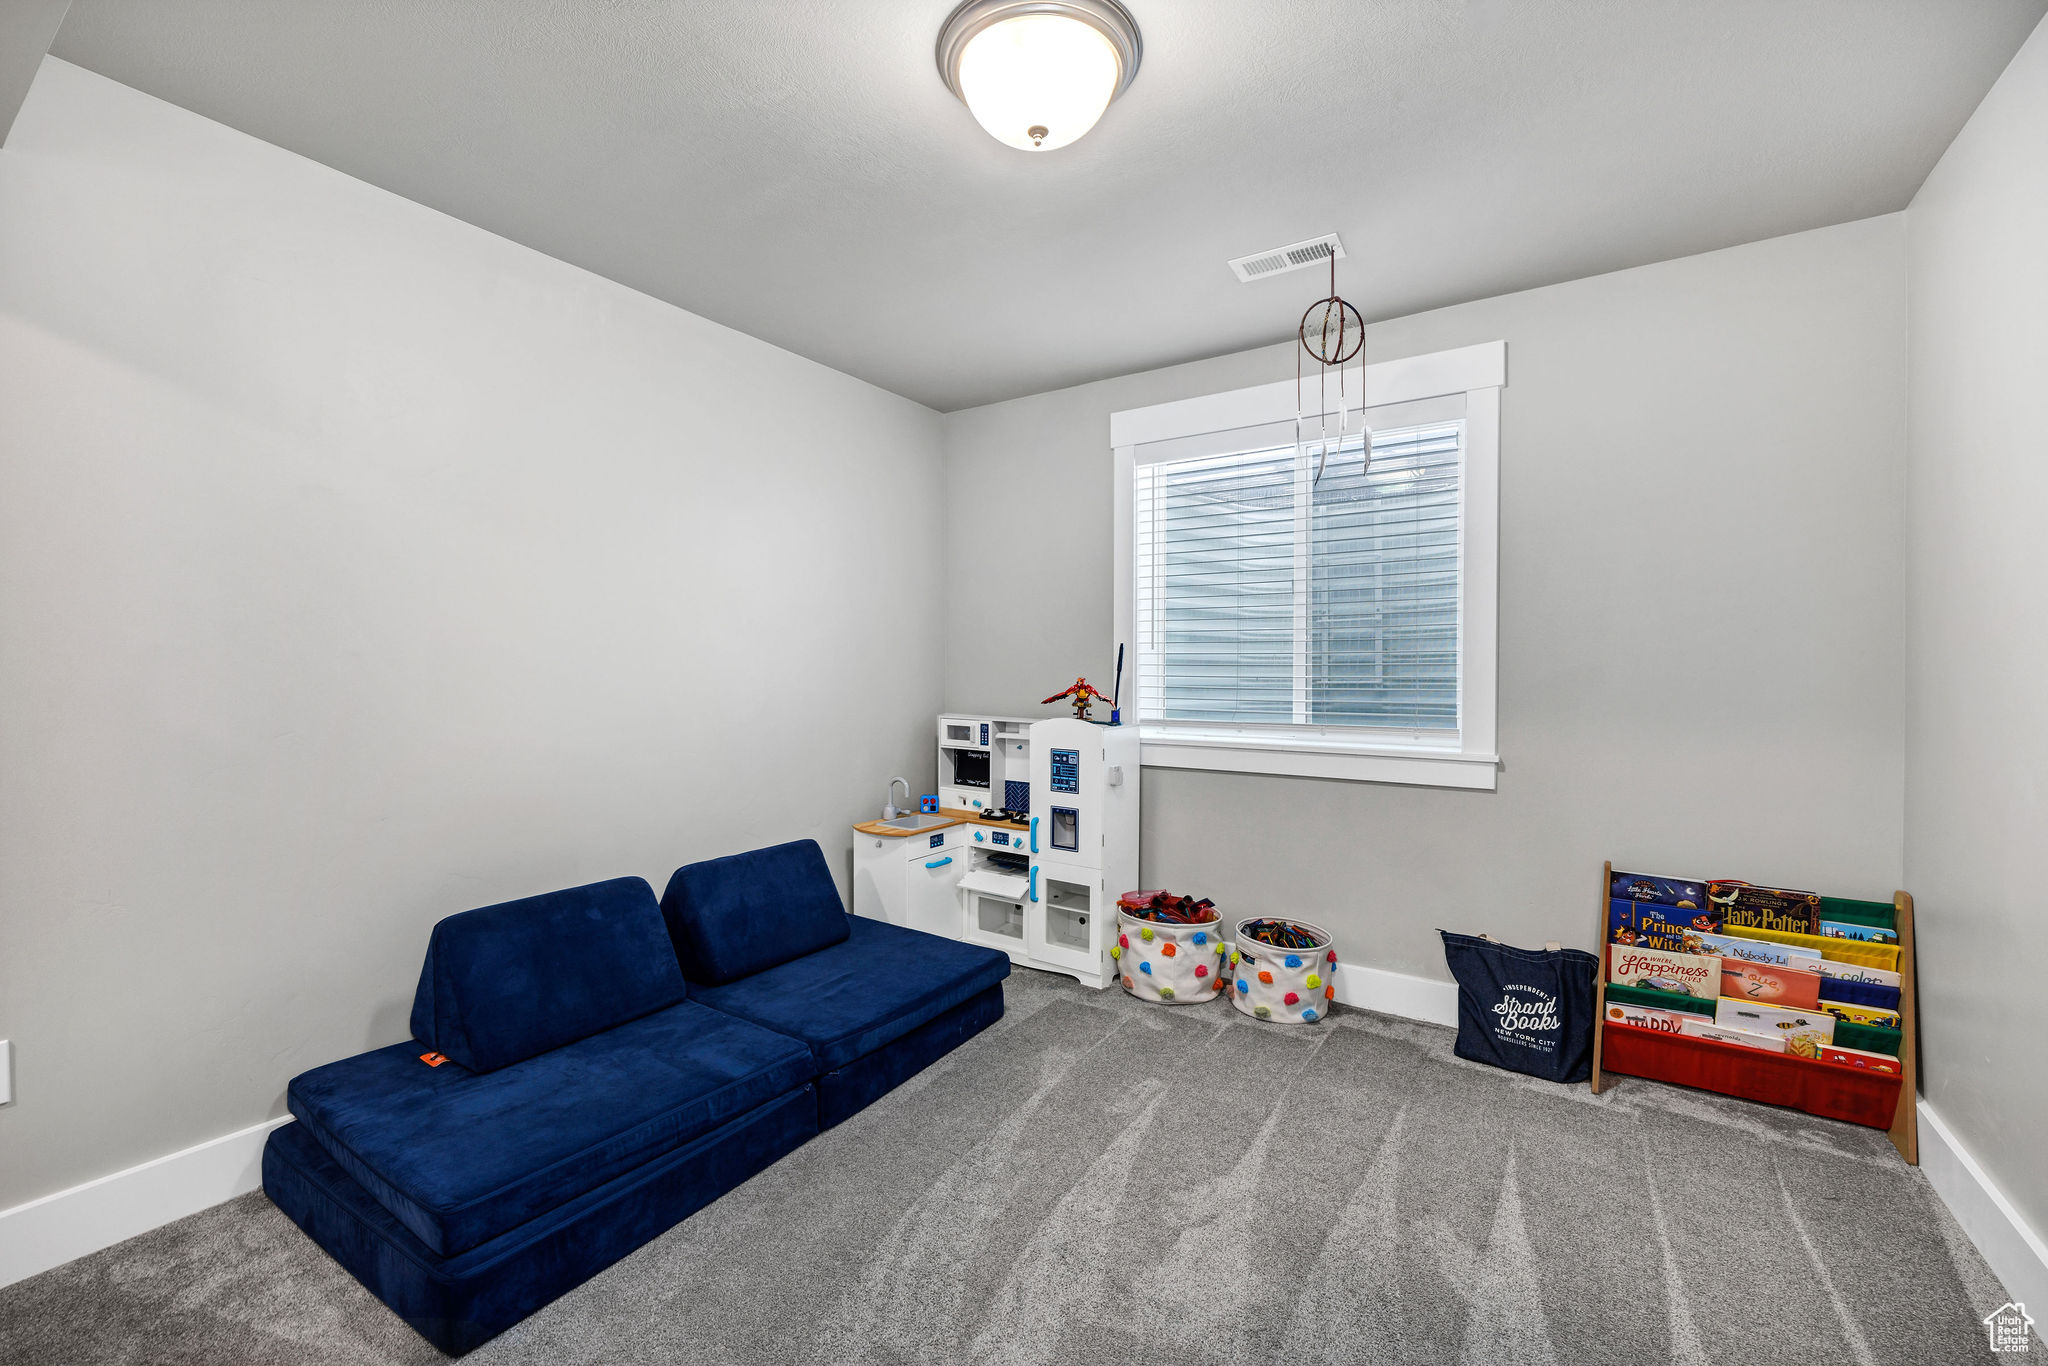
x=1283, y=971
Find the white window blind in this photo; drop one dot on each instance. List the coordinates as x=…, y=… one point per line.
x=1265, y=598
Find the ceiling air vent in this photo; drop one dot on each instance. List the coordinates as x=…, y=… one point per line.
x=1293, y=256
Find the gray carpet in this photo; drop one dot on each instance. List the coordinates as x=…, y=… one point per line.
x=1099, y=1181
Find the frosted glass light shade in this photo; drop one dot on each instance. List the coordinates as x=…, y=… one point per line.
x=1038, y=81
x=1037, y=74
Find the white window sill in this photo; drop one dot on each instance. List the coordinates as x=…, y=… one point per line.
x=1416, y=765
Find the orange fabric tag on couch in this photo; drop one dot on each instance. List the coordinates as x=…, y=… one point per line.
x=433, y=1059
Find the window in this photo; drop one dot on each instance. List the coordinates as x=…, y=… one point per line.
x=1333, y=623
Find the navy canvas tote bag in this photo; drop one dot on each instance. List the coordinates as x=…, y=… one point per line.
x=1528, y=1010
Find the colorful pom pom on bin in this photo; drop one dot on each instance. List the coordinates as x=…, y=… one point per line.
x=1286, y=965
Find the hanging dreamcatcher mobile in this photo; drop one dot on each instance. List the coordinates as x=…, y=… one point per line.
x=1332, y=335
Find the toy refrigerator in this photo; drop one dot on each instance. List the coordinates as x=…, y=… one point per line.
x=1083, y=844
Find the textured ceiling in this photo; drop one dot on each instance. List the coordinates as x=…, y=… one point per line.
x=797, y=170
x=26, y=28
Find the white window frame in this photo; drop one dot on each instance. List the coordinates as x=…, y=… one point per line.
x=1478, y=373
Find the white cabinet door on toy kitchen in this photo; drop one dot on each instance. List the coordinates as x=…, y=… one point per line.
x=913, y=880
x=932, y=903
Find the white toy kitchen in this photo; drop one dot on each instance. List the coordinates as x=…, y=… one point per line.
x=1035, y=838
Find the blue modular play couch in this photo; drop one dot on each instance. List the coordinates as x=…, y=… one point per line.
x=590, y=1066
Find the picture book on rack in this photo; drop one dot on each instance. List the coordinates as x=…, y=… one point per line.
x=1668, y=891
x=1857, y=1057
x=1857, y=972
x=1690, y=974
x=1771, y=984
x=1743, y=906
x=1647, y=1017
x=1803, y=1031
x=1748, y=1038
x=1863, y=1015
x=1653, y=925
x=1870, y=934
x=1754, y=950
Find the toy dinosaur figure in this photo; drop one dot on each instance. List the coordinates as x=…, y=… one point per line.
x=1082, y=695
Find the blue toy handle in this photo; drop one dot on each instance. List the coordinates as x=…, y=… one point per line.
x=1034, y=844
x=1034, y=881
x=940, y=863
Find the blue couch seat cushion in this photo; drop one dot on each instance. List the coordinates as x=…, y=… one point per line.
x=509, y=982
x=871, y=988
x=735, y=916
x=460, y=1156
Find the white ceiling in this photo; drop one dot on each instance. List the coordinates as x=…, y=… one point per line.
x=797, y=170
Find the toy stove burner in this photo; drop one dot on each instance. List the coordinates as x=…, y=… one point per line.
x=1003, y=813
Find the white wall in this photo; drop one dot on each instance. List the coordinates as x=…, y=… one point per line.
x=1976, y=725
x=358, y=567
x=1702, y=575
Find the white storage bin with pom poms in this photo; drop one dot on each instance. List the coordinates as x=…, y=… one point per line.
x=1282, y=970
x=1170, y=961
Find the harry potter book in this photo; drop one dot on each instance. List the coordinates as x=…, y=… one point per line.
x=1742, y=906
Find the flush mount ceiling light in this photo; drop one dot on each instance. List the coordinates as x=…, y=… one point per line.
x=1037, y=74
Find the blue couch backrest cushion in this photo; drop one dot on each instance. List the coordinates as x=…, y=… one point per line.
x=733, y=917
x=511, y=982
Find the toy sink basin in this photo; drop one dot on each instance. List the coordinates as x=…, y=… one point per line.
x=915, y=821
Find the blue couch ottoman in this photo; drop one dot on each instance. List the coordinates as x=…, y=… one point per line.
x=763, y=936
x=585, y=1104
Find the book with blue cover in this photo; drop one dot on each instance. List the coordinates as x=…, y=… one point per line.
x=1859, y=993
x=1665, y=891
x=1654, y=925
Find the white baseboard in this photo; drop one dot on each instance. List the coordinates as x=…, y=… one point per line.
x=51, y=1231
x=1396, y=993
x=2014, y=1251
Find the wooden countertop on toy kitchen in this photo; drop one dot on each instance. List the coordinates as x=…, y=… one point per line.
x=947, y=816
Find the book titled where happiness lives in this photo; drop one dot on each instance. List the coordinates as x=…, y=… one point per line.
x=1691, y=974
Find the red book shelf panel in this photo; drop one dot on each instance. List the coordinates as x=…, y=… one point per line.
x=1831, y=1090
